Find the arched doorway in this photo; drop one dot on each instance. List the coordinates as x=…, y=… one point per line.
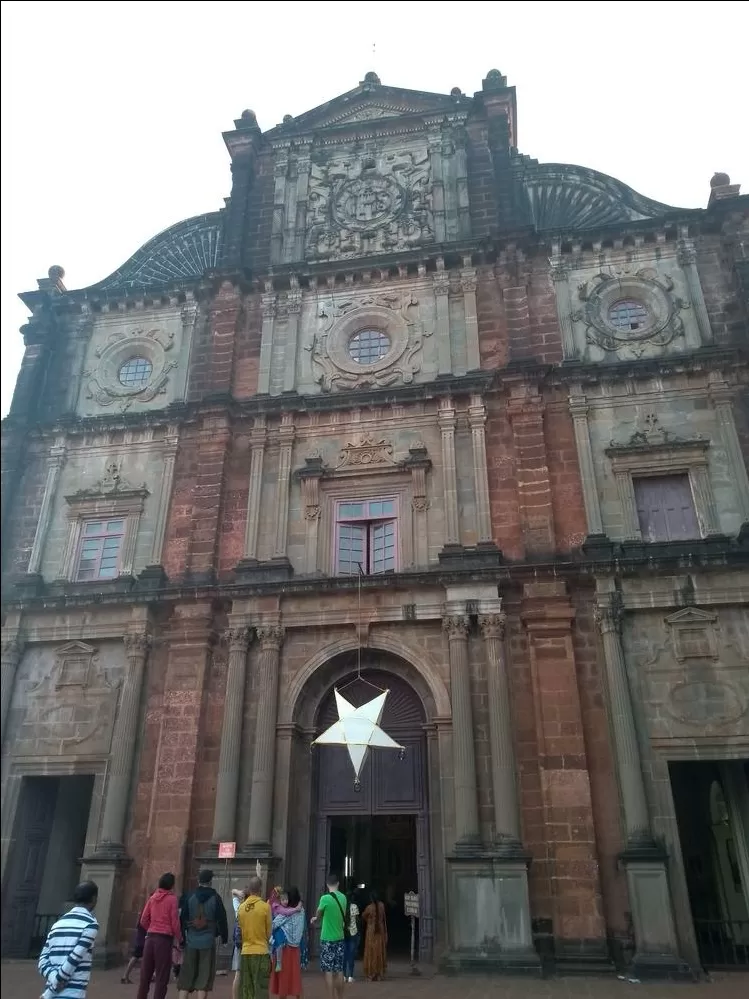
x=376, y=836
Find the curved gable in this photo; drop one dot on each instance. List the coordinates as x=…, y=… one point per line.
x=180, y=253
x=564, y=196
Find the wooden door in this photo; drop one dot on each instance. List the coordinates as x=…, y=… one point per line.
x=34, y=817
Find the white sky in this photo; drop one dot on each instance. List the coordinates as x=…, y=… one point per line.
x=112, y=113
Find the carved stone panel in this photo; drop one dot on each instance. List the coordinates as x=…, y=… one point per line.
x=66, y=699
x=361, y=205
x=696, y=680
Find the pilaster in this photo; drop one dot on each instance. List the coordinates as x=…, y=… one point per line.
x=169, y=456
x=468, y=287
x=269, y=305
x=258, y=440
x=259, y=836
x=687, y=257
x=419, y=464
x=467, y=834
x=286, y=443
x=293, y=309
x=477, y=423
x=112, y=837
x=55, y=463
x=441, y=286
x=280, y=172
x=560, y=277
x=447, y=421
x=227, y=785
x=12, y=650
x=721, y=395
x=579, y=412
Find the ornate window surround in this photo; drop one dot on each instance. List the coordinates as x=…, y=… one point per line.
x=643, y=457
x=109, y=498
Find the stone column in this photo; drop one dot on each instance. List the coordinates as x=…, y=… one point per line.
x=12, y=650
x=293, y=309
x=468, y=287
x=579, y=411
x=55, y=462
x=258, y=438
x=687, y=257
x=123, y=746
x=560, y=277
x=447, y=420
x=504, y=769
x=280, y=171
x=169, y=454
x=286, y=441
x=303, y=164
x=264, y=759
x=656, y=945
x=477, y=421
x=467, y=833
x=438, y=186
x=721, y=395
x=269, y=307
x=441, y=285
x=227, y=787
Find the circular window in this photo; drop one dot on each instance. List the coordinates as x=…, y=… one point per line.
x=135, y=372
x=368, y=346
x=629, y=314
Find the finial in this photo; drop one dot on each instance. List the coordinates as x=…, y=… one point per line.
x=456, y=92
x=372, y=78
x=720, y=180
x=248, y=115
x=494, y=81
x=287, y=118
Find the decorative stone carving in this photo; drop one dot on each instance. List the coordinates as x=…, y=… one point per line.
x=395, y=313
x=75, y=663
x=455, y=626
x=647, y=285
x=102, y=378
x=492, y=625
x=366, y=452
x=270, y=636
x=653, y=435
x=112, y=483
x=362, y=205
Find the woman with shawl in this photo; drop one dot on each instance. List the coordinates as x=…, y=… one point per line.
x=376, y=940
x=286, y=944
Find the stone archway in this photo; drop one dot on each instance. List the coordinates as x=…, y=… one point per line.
x=401, y=794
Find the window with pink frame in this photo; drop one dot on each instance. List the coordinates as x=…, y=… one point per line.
x=99, y=549
x=366, y=536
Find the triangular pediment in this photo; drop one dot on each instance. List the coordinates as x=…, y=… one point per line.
x=691, y=615
x=372, y=102
x=75, y=648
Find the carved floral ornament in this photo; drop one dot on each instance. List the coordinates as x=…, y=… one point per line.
x=102, y=378
x=644, y=286
x=396, y=314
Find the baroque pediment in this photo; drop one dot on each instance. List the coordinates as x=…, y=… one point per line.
x=370, y=102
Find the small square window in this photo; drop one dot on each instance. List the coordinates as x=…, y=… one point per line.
x=665, y=508
x=100, y=550
x=366, y=537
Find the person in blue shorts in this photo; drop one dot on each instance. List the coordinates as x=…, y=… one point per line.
x=331, y=915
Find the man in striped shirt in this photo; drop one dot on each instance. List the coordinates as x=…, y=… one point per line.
x=65, y=962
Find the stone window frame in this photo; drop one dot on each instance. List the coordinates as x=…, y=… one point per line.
x=368, y=522
x=348, y=488
x=374, y=317
x=672, y=458
x=124, y=506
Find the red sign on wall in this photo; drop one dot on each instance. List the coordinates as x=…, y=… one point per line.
x=227, y=851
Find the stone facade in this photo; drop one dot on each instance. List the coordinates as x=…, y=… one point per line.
x=206, y=406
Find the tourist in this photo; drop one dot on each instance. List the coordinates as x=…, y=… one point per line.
x=203, y=920
x=160, y=920
x=255, y=926
x=136, y=952
x=66, y=958
x=287, y=935
x=331, y=911
x=351, y=942
x=375, y=940
x=237, y=897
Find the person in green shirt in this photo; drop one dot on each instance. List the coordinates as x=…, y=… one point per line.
x=331, y=914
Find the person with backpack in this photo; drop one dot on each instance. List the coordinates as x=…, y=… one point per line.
x=351, y=941
x=331, y=914
x=203, y=920
x=160, y=920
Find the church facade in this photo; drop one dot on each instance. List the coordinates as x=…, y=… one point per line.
x=412, y=413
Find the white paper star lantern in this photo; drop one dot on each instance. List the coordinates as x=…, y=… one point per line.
x=357, y=729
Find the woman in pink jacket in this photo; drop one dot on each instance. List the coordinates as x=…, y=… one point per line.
x=160, y=920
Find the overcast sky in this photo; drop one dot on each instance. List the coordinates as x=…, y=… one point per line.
x=112, y=113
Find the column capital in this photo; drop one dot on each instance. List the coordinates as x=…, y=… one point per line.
x=238, y=638
x=456, y=626
x=12, y=649
x=492, y=625
x=270, y=636
x=476, y=412
x=137, y=645
x=608, y=615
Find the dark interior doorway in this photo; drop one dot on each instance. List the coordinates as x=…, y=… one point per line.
x=378, y=854
x=44, y=864
x=711, y=800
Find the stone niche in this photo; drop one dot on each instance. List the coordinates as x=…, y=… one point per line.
x=65, y=699
x=626, y=308
x=136, y=361
x=695, y=675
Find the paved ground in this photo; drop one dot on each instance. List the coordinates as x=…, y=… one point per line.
x=19, y=980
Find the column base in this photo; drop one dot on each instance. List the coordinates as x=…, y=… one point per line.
x=273, y=571
x=656, y=944
x=489, y=916
x=106, y=867
x=599, y=547
x=153, y=577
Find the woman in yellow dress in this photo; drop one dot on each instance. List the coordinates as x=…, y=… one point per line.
x=375, y=940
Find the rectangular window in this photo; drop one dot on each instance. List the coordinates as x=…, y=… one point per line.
x=100, y=549
x=665, y=508
x=366, y=537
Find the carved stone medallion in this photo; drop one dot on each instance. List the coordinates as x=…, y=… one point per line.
x=367, y=202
